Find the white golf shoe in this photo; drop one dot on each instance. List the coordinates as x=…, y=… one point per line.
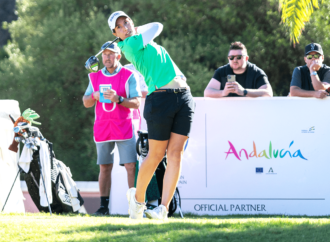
x=159, y=212
x=135, y=209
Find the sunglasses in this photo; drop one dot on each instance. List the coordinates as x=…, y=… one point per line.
x=309, y=57
x=238, y=57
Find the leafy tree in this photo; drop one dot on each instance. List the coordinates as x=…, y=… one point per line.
x=45, y=72
x=295, y=13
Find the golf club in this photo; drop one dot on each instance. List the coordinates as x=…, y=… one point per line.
x=92, y=64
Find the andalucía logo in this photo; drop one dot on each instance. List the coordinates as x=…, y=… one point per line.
x=310, y=130
x=272, y=153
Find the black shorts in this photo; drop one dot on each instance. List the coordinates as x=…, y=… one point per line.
x=168, y=111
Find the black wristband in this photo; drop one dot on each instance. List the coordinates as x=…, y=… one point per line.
x=245, y=92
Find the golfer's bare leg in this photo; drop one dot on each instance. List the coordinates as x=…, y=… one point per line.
x=156, y=153
x=130, y=168
x=105, y=180
x=174, y=154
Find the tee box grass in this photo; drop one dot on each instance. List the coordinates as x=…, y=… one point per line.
x=43, y=227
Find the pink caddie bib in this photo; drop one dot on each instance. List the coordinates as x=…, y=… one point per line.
x=112, y=121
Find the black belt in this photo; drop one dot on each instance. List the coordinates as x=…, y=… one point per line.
x=172, y=90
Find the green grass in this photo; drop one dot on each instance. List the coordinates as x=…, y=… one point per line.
x=42, y=227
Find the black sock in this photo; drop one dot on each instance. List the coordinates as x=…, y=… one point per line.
x=105, y=202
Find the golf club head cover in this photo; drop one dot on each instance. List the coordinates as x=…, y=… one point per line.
x=14, y=145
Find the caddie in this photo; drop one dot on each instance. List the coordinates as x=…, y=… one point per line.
x=113, y=121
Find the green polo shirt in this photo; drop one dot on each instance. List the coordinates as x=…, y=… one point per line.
x=152, y=61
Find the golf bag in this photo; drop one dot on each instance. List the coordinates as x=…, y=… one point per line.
x=62, y=202
x=65, y=195
x=155, y=187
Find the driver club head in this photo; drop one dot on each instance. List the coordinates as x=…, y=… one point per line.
x=92, y=64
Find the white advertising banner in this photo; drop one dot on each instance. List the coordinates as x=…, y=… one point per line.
x=255, y=156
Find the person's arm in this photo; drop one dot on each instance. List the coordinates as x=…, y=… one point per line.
x=317, y=83
x=214, y=86
x=133, y=102
x=263, y=91
x=326, y=80
x=298, y=92
x=213, y=89
x=88, y=101
x=149, y=32
x=133, y=91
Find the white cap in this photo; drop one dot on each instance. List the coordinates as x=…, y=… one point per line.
x=113, y=47
x=113, y=18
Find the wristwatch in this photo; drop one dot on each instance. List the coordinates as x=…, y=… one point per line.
x=314, y=73
x=121, y=99
x=244, y=92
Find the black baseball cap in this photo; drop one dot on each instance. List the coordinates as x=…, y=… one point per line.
x=313, y=47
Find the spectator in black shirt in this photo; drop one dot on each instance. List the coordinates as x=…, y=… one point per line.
x=312, y=79
x=251, y=81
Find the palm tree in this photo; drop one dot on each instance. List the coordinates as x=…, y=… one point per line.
x=295, y=13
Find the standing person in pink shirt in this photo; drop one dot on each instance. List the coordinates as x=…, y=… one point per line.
x=169, y=109
x=113, y=118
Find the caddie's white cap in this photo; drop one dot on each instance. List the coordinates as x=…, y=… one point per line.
x=113, y=47
x=113, y=18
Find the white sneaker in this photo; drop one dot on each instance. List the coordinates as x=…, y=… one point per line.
x=157, y=213
x=135, y=209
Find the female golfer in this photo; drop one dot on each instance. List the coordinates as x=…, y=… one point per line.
x=169, y=109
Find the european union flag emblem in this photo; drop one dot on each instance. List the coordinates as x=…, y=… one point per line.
x=259, y=170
